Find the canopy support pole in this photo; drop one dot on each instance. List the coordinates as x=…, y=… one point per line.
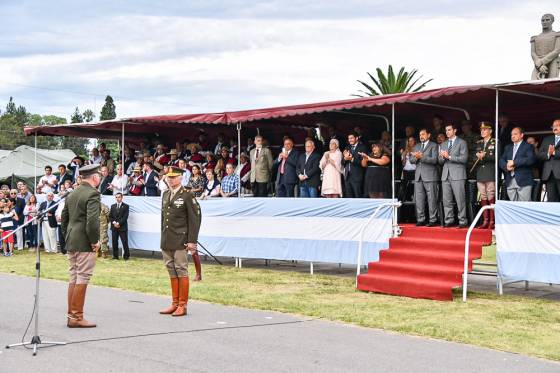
x=393, y=151
x=239, y=156
x=465, y=112
x=122, y=155
x=35, y=186
x=366, y=115
x=497, y=157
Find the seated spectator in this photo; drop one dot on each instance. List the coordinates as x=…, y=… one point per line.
x=185, y=151
x=243, y=170
x=30, y=212
x=95, y=157
x=203, y=143
x=160, y=156
x=331, y=165
x=105, y=182
x=233, y=149
x=212, y=187
x=108, y=162
x=220, y=170
x=308, y=171
x=221, y=143
x=210, y=162
x=250, y=145
x=48, y=182
x=230, y=183
x=173, y=157
x=119, y=184
x=196, y=157
x=136, y=182
x=378, y=173
x=196, y=182
x=225, y=156
x=7, y=226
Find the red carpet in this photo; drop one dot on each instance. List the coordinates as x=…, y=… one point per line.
x=424, y=262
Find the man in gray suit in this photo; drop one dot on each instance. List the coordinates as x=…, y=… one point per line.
x=453, y=156
x=425, y=156
x=261, y=164
x=549, y=153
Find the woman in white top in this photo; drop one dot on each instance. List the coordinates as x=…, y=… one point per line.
x=120, y=182
x=331, y=165
x=212, y=187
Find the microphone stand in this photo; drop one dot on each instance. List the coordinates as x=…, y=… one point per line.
x=36, y=339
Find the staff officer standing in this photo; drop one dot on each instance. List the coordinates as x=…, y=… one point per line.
x=180, y=224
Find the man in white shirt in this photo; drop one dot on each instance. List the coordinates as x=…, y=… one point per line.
x=119, y=184
x=186, y=173
x=48, y=182
x=95, y=157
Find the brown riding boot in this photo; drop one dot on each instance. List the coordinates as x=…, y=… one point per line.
x=491, y=221
x=183, y=297
x=70, y=294
x=174, y=296
x=76, y=319
x=486, y=215
x=197, y=266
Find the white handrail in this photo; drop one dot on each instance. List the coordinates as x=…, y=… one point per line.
x=467, y=247
x=394, y=205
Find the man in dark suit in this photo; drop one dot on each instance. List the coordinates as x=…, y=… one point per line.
x=549, y=154
x=63, y=176
x=504, y=132
x=308, y=171
x=151, y=181
x=118, y=218
x=453, y=156
x=517, y=163
x=286, y=178
x=106, y=180
x=353, y=170
x=425, y=157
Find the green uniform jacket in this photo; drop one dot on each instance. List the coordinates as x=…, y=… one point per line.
x=485, y=168
x=80, y=218
x=180, y=220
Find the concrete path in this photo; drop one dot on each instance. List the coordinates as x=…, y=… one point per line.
x=132, y=337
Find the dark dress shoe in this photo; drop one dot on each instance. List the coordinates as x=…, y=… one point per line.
x=420, y=224
x=449, y=225
x=431, y=224
x=463, y=226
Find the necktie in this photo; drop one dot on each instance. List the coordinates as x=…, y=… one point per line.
x=556, y=141
x=257, y=156
x=423, y=146
x=118, y=206
x=515, y=146
x=282, y=166
x=450, y=146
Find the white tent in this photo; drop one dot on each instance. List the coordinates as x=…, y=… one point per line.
x=21, y=161
x=4, y=153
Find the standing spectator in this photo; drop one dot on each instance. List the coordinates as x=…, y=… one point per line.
x=221, y=143
x=230, y=183
x=485, y=172
x=59, y=235
x=74, y=167
x=136, y=182
x=108, y=162
x=48, y=182
x=378, y=173
x=196, y=182
x=386, y=141
x=504, y=132
x=23, y=191
x=331, y=165
x=426, y=176
x=95, y=157
x=250, y=145
x=212, y=187
x=185, y=151
x=30, y=212
x=261, y=166
x=118, y=216
x=538, y=164
x=286, y=178
x=333, y=135
x=549, y=153
x=120, y=183
x=517, y=162
x=63, y=175
x=186, y=173
x=353, y=170
x=7, y=226
x=437, y=126
x=243, y=170
x=203, y=142
x=49, y=224
x=471, y=138
x=151, y=180
x=454, y=156
x=309, y=172
x=105, y=181
x=162, y=183
x=409, y=168
x=18, y=205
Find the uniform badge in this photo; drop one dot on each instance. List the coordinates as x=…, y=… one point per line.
x=179, y=202
x=491, y=147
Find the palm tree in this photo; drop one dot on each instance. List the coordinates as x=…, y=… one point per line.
x=386, y=84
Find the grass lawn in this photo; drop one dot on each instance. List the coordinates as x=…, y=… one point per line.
x=517, y=324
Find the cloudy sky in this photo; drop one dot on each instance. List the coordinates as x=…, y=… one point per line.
x=163, y=57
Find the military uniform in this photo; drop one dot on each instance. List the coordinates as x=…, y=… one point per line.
x=485, y=175
x=104, y=227
x=180, y=224
x=81, y=228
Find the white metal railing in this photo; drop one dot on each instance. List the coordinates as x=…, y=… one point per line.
x=394, y=229
x=467, y=247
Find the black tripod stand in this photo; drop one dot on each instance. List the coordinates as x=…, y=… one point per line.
x=36, y=339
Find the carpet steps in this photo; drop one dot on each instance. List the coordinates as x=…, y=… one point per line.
x=424, y=262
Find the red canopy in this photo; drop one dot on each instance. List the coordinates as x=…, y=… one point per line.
x=531, y=104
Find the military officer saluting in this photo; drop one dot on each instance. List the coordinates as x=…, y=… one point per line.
x=485, y=152
x=180, y=224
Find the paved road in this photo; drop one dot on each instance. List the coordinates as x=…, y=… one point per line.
x=131, y=336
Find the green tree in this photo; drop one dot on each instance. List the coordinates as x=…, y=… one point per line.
x=389, y=83
x=108, y=111
x=88, y=115
x=76, y=116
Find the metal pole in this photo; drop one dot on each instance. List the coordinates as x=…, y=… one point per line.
x=496, y=173
x=35, y=186
x=122, y=156
x=393, y=151
x=239, y=156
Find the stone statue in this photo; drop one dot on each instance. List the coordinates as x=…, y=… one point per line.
x=545, y=50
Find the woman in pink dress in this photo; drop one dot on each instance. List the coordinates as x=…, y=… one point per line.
x=331, y=165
